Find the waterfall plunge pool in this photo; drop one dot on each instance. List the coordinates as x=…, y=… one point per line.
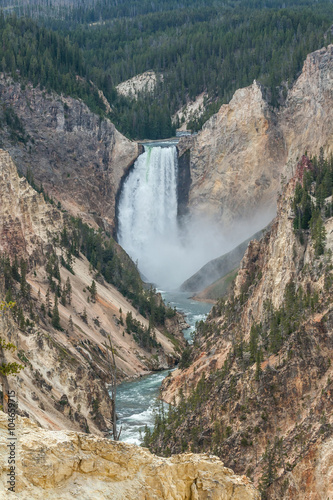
x=167, y=248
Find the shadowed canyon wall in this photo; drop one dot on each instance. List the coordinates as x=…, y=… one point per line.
x=79, y=157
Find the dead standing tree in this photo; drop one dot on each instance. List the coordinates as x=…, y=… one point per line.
x=113, y=372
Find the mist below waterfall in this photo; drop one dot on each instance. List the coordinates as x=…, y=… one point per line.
x=166, y=249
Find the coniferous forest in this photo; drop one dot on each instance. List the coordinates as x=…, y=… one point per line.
x=214, y=47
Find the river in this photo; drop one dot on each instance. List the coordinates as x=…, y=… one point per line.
x=166, y=253
x=138, y=399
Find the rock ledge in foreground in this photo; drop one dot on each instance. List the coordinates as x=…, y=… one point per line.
x=65, y=465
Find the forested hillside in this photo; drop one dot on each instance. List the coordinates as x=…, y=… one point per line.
x=45, y=58
x=197, y=46
x=203, y=50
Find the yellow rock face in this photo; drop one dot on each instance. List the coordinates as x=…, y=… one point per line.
x=65, y=465
x=61, y=361
x=237, y=159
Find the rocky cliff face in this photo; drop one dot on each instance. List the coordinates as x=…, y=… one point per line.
x=190, y=111
x=77, y=156
x=269, y=416
x=66, y=370
x=26, y=221
x=238, y=157
x=306, y=119
x=139, y=84
x=67, y=465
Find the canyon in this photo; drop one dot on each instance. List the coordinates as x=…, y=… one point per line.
x=231, y=170
x=66, y=373
x=245, y=157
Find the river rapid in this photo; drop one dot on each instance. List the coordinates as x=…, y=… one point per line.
x=137, y=400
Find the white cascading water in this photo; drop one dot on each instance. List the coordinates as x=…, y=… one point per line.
x=148, y=210
x=167, y=255
x=148, y=227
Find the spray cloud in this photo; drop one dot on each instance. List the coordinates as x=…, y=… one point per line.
x=167, y=251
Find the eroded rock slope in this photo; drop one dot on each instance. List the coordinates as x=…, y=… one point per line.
x=258, y=391
x=79, y=157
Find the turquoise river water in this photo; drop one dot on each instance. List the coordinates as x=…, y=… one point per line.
x=137, y=400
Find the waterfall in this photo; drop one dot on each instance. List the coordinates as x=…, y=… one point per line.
x=148, y=227
x=148, y=209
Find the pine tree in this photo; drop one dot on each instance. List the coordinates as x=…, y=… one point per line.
x=24, y=284
x=93, y=291
x=253, y=343
x=48, y=302
x=64, y=241
x=69, y=261
x=63, y=297
x=15, y=270
x=68, y=288
x=70, y=324
x=84, y=315
x=6, y=368
x=55, y=315
x=258, y=365
x=21, y=318
x=318, y=233
x=269, y=469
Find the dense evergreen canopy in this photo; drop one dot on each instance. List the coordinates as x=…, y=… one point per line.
x=197, y=46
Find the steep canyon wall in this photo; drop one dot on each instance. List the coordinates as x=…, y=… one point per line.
x=79, y=157
x=237, y=159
